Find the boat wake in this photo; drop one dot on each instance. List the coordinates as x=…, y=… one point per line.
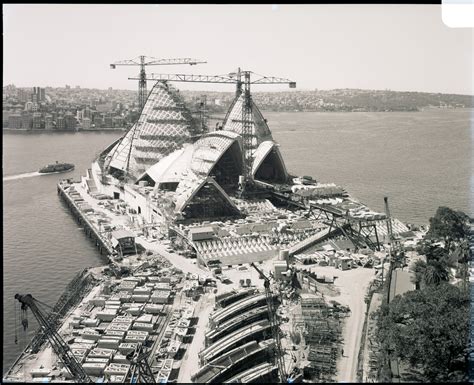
x=21, y=176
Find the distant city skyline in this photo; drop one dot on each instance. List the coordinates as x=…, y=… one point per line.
x=395, y=47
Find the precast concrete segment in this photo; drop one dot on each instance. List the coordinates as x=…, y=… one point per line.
x=232, y=362
x=245, y=304
x=236, y=323
x=253, y=374
x=257, y=331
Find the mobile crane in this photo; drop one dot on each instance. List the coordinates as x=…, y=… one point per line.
x=59, y=346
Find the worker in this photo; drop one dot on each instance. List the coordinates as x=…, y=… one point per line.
x=343, y=352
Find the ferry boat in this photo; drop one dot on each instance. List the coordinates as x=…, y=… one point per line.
x=56, y=167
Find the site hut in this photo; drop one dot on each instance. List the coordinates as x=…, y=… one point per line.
x=201, y=233
x=281, y=270
x=123, y=242
x=344, y=263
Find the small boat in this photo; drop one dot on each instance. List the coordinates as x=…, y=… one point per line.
x=56, y=167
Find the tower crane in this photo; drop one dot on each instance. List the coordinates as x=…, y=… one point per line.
x=232, y=78
x=274, y=326
x=60, y=347
x=143, y=61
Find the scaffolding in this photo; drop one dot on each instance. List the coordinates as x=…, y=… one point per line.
x=321, y=328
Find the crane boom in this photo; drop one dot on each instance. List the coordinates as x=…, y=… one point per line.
x=155, y=61
x=226, y=79
x=190, y=78
x=60, y=347
x=274, y=326
x=143, y=61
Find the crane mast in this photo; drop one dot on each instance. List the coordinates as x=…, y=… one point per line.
x=247, y=121
x=274, y=326
x=143, y=61
x=60, y=347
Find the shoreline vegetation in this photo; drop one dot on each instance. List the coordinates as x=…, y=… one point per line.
x=423, y=334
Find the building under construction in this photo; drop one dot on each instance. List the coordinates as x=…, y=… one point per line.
x=225, y=195
x=226, y=198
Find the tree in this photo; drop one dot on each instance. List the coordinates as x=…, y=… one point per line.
x=432, y=273
x=428, y=331
x=419, y=270
x=435, y=273
x=448, y=224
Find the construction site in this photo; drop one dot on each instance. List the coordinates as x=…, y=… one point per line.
x=223, y=265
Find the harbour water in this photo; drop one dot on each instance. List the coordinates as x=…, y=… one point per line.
x=420, y=160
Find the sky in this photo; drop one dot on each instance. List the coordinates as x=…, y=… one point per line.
x=396, y=47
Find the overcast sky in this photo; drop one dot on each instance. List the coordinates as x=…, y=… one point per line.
x=397, y=47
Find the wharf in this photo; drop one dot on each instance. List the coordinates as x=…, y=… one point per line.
x=103, y=244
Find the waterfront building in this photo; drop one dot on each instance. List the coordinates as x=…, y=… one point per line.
x=48, y=122
x=60, y=122
x=37, y=121
x=108, y=122
x=86, y=124
x=5, y=118
x=70, y=121
x=27, y=121
x=118, y=122
x=15, y=121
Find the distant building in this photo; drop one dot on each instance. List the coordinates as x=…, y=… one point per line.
x=27, y=121
x=86, y=124
x=60, y=123
x=38, y=95
x=70, y=121
x=15, y=121
x=80, y=114
x=24, y=95
x=108, y=122
x=118, y=122
x=37, y=122
x=6, y=116
x=87, y=113
x=29, y=106
x=48, y=122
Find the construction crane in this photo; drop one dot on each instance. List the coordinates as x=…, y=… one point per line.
x=140, y=371
x=59, y=346
x=232, y=78
x=274, y=326
x=143, y=61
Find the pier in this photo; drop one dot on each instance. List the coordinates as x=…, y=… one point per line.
x=102, y=243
